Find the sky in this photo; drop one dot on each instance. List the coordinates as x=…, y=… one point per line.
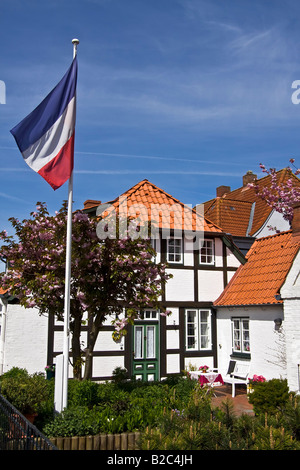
x=189, y=94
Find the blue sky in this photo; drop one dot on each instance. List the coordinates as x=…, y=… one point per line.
x=190, y=94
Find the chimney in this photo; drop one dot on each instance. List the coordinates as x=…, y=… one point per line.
x=91, y=203
x=222, y=190
x=296, y=222
x=248, y=178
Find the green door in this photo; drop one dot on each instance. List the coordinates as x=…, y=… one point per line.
x=146, y=351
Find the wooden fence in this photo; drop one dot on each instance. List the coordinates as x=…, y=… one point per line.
x=124, y=441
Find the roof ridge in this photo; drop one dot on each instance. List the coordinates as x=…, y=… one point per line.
x=274, y=235
x=281, y=173
x=225, y=199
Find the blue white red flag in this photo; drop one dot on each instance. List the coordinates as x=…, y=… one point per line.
x=46, y=136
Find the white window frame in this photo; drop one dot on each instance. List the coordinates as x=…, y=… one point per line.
x=199, y=326
x=175, y=253
x=205, y=257
x=148, y=314
x=141, y=341
x=240, y=335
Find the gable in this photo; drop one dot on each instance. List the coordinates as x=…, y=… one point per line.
x=259, y=280
x=153, y=205
x=241, y=212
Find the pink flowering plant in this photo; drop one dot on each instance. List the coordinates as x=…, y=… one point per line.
x=280, y=195
x=107, y=274
x=203, y=369
x=256, y=379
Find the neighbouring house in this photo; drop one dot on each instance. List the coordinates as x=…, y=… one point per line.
x=202, y=259
x=245, y=216
x=258, y=311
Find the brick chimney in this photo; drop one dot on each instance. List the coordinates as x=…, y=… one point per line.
x=91, y=203
x=248, y=178
x=296, y=222
x=221, y=190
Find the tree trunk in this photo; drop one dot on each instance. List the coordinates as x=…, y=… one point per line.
x=76, y=350
x=92, y=337
x=89, y=352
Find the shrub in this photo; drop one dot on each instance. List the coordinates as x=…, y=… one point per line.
x=83, y=393
x=269, y=397
x=25, y=392
x=120, y=375
x=14, y=372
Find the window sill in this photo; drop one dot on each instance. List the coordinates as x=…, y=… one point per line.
x=240, y=355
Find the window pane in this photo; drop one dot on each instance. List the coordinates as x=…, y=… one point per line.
x=207, y=252
x=246, y=336
x=191, y=329
x=150, y=342
x=204, y=329
x=174, y=250
x=138, y=342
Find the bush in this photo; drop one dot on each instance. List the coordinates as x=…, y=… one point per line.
x=25, y=392
x=177, y=415
x=269, y=397
x=14, y=372
x=83, y=393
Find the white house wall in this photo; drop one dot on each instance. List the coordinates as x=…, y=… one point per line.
x=210, y=283
x=232, y=261
x=267, y=344
x=275, y=221
x=290, y=293
x=218, y=252
x=25, y=339
x=103, y=366
x=181, y=286
x=196, y=362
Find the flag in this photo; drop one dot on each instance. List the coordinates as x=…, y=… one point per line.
x=46, y=136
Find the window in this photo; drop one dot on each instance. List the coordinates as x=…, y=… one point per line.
x=174, y=250
x=198, y=329
x=207, y=255
x=148, y=315
x=240, y=335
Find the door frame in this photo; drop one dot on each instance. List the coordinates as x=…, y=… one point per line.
x=146, y=368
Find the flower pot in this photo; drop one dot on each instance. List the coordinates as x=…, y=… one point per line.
x=30, y=417
x=50, y=374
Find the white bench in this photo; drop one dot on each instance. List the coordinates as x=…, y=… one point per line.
x=237, y=373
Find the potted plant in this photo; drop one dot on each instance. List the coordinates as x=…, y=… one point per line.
x=50, y=371
x=251, y=382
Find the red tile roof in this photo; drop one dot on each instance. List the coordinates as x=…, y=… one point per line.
x=151, y=203
x=261, y=277
x=232, y=211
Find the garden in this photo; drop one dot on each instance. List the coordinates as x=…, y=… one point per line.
x=173, y=414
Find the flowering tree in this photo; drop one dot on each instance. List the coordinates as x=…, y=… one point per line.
x=280, y=195
x=107, y=275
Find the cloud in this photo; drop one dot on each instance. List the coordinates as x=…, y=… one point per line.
x=13, y=198
x=157, y=172
x=151, y=157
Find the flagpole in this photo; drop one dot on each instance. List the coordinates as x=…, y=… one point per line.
x=75, y=42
